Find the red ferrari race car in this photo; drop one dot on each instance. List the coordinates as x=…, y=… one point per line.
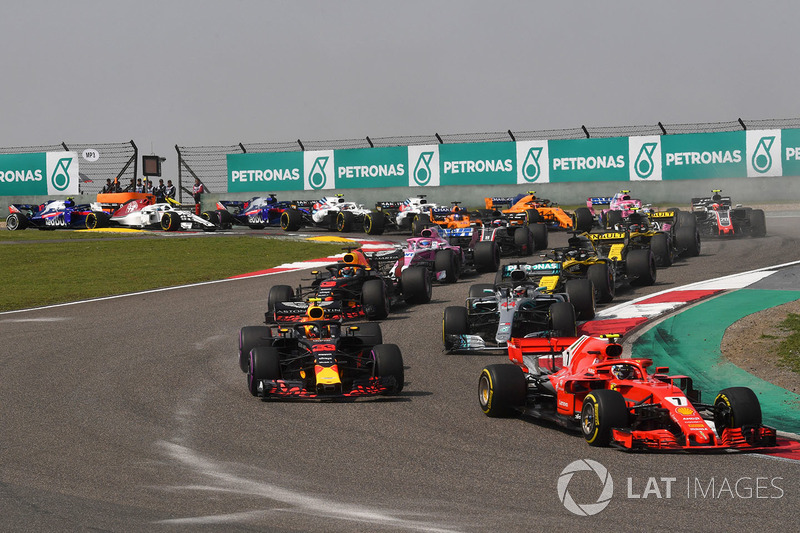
x=586, y=384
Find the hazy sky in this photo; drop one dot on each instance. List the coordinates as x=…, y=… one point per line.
x=220, y=72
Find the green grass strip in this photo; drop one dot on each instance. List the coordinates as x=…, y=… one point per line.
x=789, y=348
x=47, y=273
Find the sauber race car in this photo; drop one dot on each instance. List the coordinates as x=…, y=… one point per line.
x=535, y=209
x=55, y=214
x=319, y=359
x=515, y=307
x=357, y=287
x=330, y=212
x=168, y=216
x=716, y=216
x=586, y=384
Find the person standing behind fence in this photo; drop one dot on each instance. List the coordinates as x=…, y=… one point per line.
x=160, y=191
x=169, y=190
x=139, y=187
x=148, y=187
x=197, y=190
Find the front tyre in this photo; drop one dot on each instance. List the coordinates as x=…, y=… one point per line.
x=501, y=389
x=291, y=220
x=736, y=407
x=417, y=286
x=454, y=322
x=602, y=411
x=389, y=364
x=265, y=363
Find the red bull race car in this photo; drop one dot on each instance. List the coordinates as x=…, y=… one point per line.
x=586, y=384
x=319, y=359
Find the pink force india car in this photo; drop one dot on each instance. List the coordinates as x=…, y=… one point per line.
x=586, y=384
x=607, y=211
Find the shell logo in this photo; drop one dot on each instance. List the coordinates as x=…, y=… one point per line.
x=687, y=411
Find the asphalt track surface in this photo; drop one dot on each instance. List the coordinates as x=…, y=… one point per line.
x=131, y=414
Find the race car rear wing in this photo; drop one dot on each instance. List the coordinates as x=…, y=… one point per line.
x=298, y=311
x=725, y=200
x=305, y=204
x=499, y=201
x=387, y=205
x=600, y=200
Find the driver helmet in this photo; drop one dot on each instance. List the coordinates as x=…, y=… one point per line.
x=622, y=371
x=426, y=243
x=69, y=202
x=457, y=216
x=716, y=198
x=312, y=331
x=347, y=272
x=520, y=291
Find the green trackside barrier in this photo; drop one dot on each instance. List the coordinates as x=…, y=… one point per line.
x=689, y=343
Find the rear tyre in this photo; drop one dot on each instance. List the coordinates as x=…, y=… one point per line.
x=370, y=333
x=613, y=218
x=389, y=364
x=15, y=221
x=375, y=299
x=533, y=216
x=417, y=286
x=501, y=388
x=291, y=220
x=454, y=322
x=249, y=338
x=736, y=407
x=279, y=293
x=265, y=363
x=562, y=320
x=91, y=221
x=486, y=256
x=640, y=265
x=602, y=277
x=662, y=250
x=758, y=223
x=374, y=223
x=445, y=261
x=582, y=220
x=225, y=218
x=523, y=240
x=211, y=216
x=581, y=296
x=344, y=221
x=539, y=232
x=602, y=410
x=687, y=237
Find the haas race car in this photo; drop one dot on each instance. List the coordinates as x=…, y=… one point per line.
x=586, y=384
x=716, y=216
x=319, y=359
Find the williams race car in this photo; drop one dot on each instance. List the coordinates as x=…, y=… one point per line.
x=56, y=214
x=586, y=384
x=330, y=212
x=716, y=216
x=319, y=359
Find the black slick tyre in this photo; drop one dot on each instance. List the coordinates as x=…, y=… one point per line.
x=602, y=411
x=758, y=223
x=523, y=240
x=662, y=250
x=170, y=221
x=539, y=233
x=501, y=389
x=279, y=293
x=375, y=299
x=265, y=363
x=581, y=296
x=641, y=267
x=370, y=333
x=249, y=338
x=582, y=220
x=446, y=261
x=374, y=223
x=562, y=319
x=345, y=221
x=291, y=220
x=602, y=277
x=417, y=286
x=736, y=407
x=388, y=362
x=486, y=256
x=454, y=322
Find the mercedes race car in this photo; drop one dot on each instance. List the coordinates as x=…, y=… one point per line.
x=319, y=359
x=56, y=214
x=717, y=216
x=586, y=384
x=493, y=314
x=330, y=212
x=168, y=216
x=359, y=286
x=535, y=209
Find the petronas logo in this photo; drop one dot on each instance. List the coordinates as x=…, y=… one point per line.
x=644, y=165
x=762, y=158
x=422, y=170
x=316, y=178
x=530, y=167
x=60, y=177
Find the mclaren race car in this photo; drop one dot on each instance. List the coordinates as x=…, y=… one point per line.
x=319, y=359
x=535, y=209
x=586, y=384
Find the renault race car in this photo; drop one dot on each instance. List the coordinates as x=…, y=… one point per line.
x=330, y=212
x=493, y=314
x=586, y=384
x=357, y=287
x=168, y=216
x=56, y=214
x=535, y=209
x=716, y=216
x=319, y=359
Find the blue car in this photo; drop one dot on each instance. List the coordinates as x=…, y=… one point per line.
x=56, y=214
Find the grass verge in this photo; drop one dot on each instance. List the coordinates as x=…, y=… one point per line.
x=46, y=273
x=789, y=348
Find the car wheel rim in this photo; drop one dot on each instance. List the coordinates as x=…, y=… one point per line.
x=587, y=419
x=484, y=392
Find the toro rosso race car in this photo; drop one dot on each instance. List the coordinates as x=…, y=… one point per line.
x=716, y=216
x=586, y=384
x=256, y=213
x=169, y=216
x=55, y=214
x=319, y=359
